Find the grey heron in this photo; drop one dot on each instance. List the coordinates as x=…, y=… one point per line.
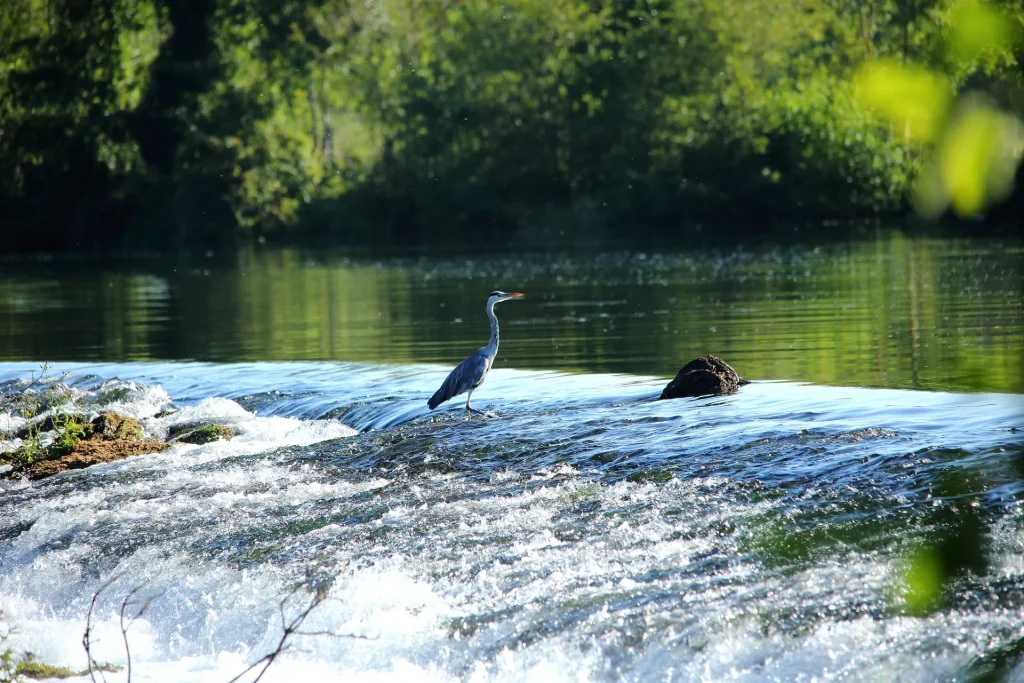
x=470, y=373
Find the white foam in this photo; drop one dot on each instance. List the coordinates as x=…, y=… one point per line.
x=129, y=398
x=255, y=431
x=10, y=424
x=209, y=621
x=526, y=574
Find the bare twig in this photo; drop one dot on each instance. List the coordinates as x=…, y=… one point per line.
x=143, y=605
x=128, y=617
x=94, y=666
x=133, y=608
x=290, y=628
x=333, y=634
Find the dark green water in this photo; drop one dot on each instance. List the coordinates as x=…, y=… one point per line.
x=886, y=312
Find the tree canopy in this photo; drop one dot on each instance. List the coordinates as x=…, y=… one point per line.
x=164, y=123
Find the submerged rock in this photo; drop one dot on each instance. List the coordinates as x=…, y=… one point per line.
x=47, y=424
x=704, y=376
x=204, y=434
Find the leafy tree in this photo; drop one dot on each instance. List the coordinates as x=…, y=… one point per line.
x=171, y=124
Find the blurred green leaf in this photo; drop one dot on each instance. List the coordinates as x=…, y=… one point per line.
x=975, y=163
x=975, y=27
x=912, y=97
x=923, y=582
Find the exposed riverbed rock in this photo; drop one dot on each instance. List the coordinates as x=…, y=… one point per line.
x=93, y=452
x=704, y=376
x=47, y=424
x=201, y=434
x=113, y=427
x=107, y=438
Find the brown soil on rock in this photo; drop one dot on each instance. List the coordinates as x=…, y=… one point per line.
x=704, y=376
x=110, y=437
x=93, y=452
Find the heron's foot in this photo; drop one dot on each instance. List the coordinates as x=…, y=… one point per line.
x=481, y=412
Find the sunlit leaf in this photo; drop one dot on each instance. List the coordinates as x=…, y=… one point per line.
x=913, y=98
x=965, y=160
x=975, y=163
x=975, y=27
x=923, y=582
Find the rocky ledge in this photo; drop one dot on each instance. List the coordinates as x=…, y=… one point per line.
x=76, y=444
x=197, y=433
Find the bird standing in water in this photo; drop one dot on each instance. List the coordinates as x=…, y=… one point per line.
x=470, y=373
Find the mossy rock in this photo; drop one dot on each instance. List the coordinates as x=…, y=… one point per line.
x=207, y=434
x=113, y=427
x=94, y=452
x=39, y=670
x=108, y=438
x=182, y=428
x=35, y=670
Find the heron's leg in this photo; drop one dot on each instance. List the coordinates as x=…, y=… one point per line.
x=471, y=409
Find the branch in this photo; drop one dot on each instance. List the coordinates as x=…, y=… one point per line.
x=290, y=628
x=87, y=636
x=143, y=606
x=334, y=634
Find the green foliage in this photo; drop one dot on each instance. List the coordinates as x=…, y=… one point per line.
x=975, y=145
x=40, y=670
x=29, y=403
x=14, y=668
x=43, y=404
x=70, y=429
x=960, y=546
x=168, y=123
x=8, y=662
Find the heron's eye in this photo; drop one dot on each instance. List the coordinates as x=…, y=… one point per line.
x=495, y=293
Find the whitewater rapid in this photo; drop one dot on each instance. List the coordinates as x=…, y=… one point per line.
x=586, y=534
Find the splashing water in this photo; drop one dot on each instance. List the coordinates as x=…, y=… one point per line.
x=586, y=533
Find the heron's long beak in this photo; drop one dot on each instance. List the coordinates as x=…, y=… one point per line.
x=514, y=295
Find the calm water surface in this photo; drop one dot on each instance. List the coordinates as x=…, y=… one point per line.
x=886, y=312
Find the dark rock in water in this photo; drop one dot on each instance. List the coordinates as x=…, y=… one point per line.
x=170, y=410
x=704, y=376
x=205, y=434
x=47, y=424
x=113, y=427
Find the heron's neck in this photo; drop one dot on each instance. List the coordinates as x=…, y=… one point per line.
x=492, y=345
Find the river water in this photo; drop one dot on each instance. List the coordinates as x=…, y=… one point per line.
x=587, y=531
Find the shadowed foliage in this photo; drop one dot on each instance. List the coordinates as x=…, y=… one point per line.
x=168, y=124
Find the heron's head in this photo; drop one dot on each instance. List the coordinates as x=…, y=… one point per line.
x=498, y=296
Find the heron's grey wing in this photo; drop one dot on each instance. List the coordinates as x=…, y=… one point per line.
x=464, y=377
